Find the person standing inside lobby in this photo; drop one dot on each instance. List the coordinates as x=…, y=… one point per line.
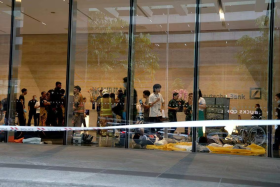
x=201, y=112
x=146, y=106
x=173, y=108
x=258, y=113
x=20, y=113
x=55, y=114
x=106, y=113
x=134, y=109
x=32, y=111
x=156, y=102
x=37, y=115
x=43, y=108
x=277, y=130
x=188, y=111
x=23, y=93
x=78, y=107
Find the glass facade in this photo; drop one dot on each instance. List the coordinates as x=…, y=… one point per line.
x=97, y=63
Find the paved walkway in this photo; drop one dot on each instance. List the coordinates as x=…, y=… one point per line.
x=52, y=165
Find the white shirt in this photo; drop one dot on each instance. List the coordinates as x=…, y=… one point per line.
x=201, y=101
x=37, y=104
x=155, y=109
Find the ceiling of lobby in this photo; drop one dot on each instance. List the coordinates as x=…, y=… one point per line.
x=152, y=16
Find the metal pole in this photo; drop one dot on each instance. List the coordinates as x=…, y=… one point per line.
x=167, y=68
x=195, y=82
x=270, y=76
x=130, y=70
x=69, y=71
x=12, y=33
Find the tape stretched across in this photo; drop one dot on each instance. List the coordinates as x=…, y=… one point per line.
x=212, y=123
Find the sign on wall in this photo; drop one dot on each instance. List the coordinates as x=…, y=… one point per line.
x=255, y=93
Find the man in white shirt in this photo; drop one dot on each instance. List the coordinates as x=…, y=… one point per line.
x=37, y=116
x=156, y=103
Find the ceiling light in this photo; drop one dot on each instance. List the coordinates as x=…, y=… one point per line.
x=185, y=44
x=226, y=42
x=122, y=8
x=161, y=7
x=44, y=23
x=222, y=15
x=150, y=20
x=18, y=0
x=1, y=2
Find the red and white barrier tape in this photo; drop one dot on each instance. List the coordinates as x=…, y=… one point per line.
x=212, y=123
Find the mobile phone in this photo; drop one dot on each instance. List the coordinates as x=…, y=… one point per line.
x=141, y=102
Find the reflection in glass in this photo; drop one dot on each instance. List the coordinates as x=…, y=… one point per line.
x=233, y=71
x=275, y=82
x=5, y=34
x=164, y=86
x=39, y=68
x=99, y=52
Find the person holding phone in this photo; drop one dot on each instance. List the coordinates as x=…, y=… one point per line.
x=156, y=103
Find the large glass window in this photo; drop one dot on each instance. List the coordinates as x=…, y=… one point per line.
x=5, y=34
x=39, y=67
x=233, y=70
x=276, y=83
x=149, y=49
x=99, y=60
x=162, y=74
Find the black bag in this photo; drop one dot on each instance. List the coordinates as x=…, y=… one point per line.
x=87, y=138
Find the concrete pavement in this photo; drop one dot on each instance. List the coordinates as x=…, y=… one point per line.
x=53, y=165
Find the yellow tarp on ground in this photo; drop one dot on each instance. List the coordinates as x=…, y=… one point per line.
x=255, y=150
x=169, y=147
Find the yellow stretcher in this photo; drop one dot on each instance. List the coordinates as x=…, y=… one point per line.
x=255, y=150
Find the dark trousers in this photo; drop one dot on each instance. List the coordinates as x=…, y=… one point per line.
x=21, y=120
x=155, y=120
x=277, y=139
x=84, y=122
x=55, y=117
x=37, y=118
x=31, y=115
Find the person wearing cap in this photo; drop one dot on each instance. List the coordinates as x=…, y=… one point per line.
x=106, y=114
x=173, y=108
